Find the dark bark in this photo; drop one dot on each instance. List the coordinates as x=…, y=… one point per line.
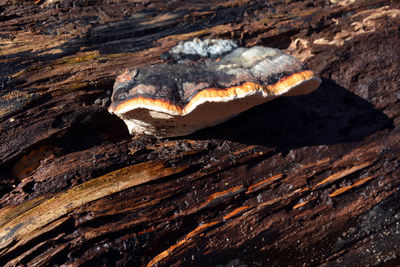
x=308, y=180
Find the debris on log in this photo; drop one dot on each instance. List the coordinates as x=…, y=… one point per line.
x=301, y=180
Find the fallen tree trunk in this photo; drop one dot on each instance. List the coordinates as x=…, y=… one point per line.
x=308, y=180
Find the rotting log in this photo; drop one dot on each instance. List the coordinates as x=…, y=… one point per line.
x=304, y=180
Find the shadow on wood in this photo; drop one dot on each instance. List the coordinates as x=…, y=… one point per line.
x=330, y=115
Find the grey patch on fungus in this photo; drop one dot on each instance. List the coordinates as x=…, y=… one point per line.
x=195, y=49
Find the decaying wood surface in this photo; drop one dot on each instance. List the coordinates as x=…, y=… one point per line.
x=305, y=180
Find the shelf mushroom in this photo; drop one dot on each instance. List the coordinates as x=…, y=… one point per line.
x=223, y=80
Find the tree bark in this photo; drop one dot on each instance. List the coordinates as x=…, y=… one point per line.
x=306, y=180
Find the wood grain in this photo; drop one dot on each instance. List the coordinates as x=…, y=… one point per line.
x=306, y=180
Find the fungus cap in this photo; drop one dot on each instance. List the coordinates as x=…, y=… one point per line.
x=177, y=99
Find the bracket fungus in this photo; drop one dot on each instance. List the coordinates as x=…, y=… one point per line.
x=179, y=98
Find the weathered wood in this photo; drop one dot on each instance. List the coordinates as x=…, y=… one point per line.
x=302, y=180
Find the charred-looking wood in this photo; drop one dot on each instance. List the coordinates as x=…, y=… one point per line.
x=306, y=180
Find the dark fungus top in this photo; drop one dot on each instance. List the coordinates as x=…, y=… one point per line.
x=180, y=87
